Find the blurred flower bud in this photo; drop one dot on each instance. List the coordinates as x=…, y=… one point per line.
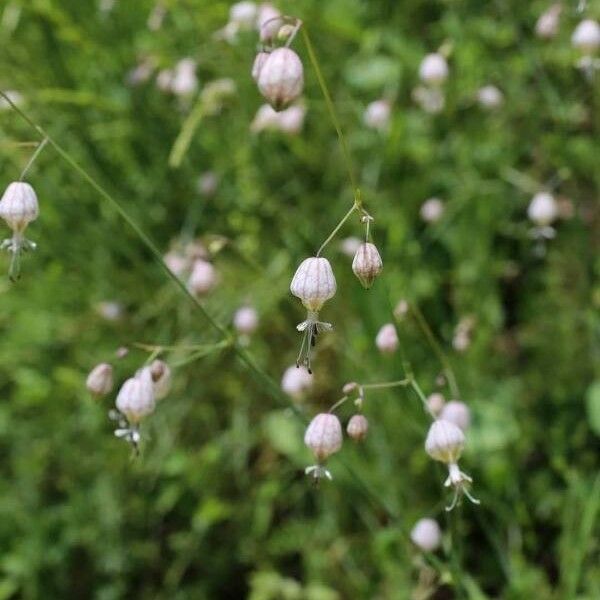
x=296, y=381
x=268, y=22
x=324, y=436
x=208, y=183
x=243, y=14
x=548, y=22
x=426, y=535
x=281, y=78
x=387, y=339
x=586, y=37
x=184, y=81
x=377, y=115
x=100, y=380
x=19, y=206
x=291, y=119
x=430, y=99
x=122, y=352
x=401, y=309
x=164, y=79
x=176, y=262
x=314, y=283
x=349, y=387
x=350, y=245
x=110, y=310
x=433, y=69
x=457, y=413
x=435, y=403
x=245, y=320
x=432, y=210
x=367, y=264
x=542, y=209
x=445, y=441
x=490, y=97
x=203, y=277
x=136, y=397
x=357, y=427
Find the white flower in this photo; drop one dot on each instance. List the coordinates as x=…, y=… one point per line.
x=176, y=262
x=100, y=380
x=367, y=264
x=288, y=121
x=377, y=114
x=184, y=81
x=586, y=37
x=136, y=397
x=268, y=22
x=245, y=320
x=490, y=97
x=281, y=78
x=458, y=413
x=435, y=403
x=324, y=437
x=203, y=277
x=543, y=209
x=296, y=381
x=433, y=69
x=548, y=22
x=445, y=442
x=357, y=427
x=19, y=206
x=432, y=210
x=244, y=14
x=387, y=339
x=426, y=535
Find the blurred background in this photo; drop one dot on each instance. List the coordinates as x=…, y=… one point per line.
x=156, y=102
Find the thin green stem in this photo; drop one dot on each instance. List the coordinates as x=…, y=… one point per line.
x=435, y=346
x=337, y=228
x=338, y=403
x=37, y=152
x=387, y=384
x=334, y=118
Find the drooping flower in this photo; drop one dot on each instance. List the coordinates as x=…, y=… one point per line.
x=358, y=427
x=387, y=339
x=136, y=398
x=367, y=264
x=281, y=78
x=324, y=437
x=100, y=380
x=586, y=37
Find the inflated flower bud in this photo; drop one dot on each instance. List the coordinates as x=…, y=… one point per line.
x=243, y=14
x=136, y=397
x=296, y=381
x=203, y=277
x=291, y=119
x=161, y=378
x=435, y=403
x=426, y=535
x=586, y=37
x=387, y=339
x=543, y=209
x=281, y=78
x=367, y=264
x=184, y=81
x=445, y=441
x=100, y=380
x=433, y=69
x=19, y=206
x=324, y=436
x=432, y=210
x=357, y=427
x=258, y=63
x=349, y=387
x=548, y=23
x=268, y=22
x=314, y=283
x=458, y=413
x=490, y=97
x=245, y=320
x=377, y=114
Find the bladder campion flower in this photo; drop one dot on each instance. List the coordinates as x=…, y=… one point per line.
x=542, y=209
x=426, y=535
x=445, y=442
x=296, y=380
x=377, y=115
x=203, y=277
x=367, y=264
x=314, y=283
x=281, y=78
x=586, y=37
x=245, y=320
x=433, y=69
x=387, y=339
x=100, y=380
x=548, y=22
x=458, y=413
x=324, y=437
x=357, y=427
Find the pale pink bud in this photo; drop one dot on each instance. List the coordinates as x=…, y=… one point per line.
x=367, y=264
x=377, y=114
x=184, y=81
x=324, y=435
x=543, y=209
x=357, y=427
x=349, y=387
x=586, y=37
x=314, y=283
x=445, y=442
x=268, y=22
x=244, y=14
x=100, y=380
x=548, y=22
x=281, y=78
x=430, y=99
x=245, y=320
x=458, y=413
x=164, y=79
x=266, y=118
x=161, y=378
x=136, y=397
x=490, y=97
x=387, y=339
x=176, y=262
x=203, y=277
x=461, y=340
x=435, y=403
x=433, y=69
x=401, y=309
x=110, y=310
x=426, y=535
x=19, y=206
x=296, y=381
x=291, y=119
x=432, y=210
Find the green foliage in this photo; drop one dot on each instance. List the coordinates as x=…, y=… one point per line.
x=217, y=505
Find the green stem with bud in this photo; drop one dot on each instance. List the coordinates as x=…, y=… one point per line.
x=37, y=152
